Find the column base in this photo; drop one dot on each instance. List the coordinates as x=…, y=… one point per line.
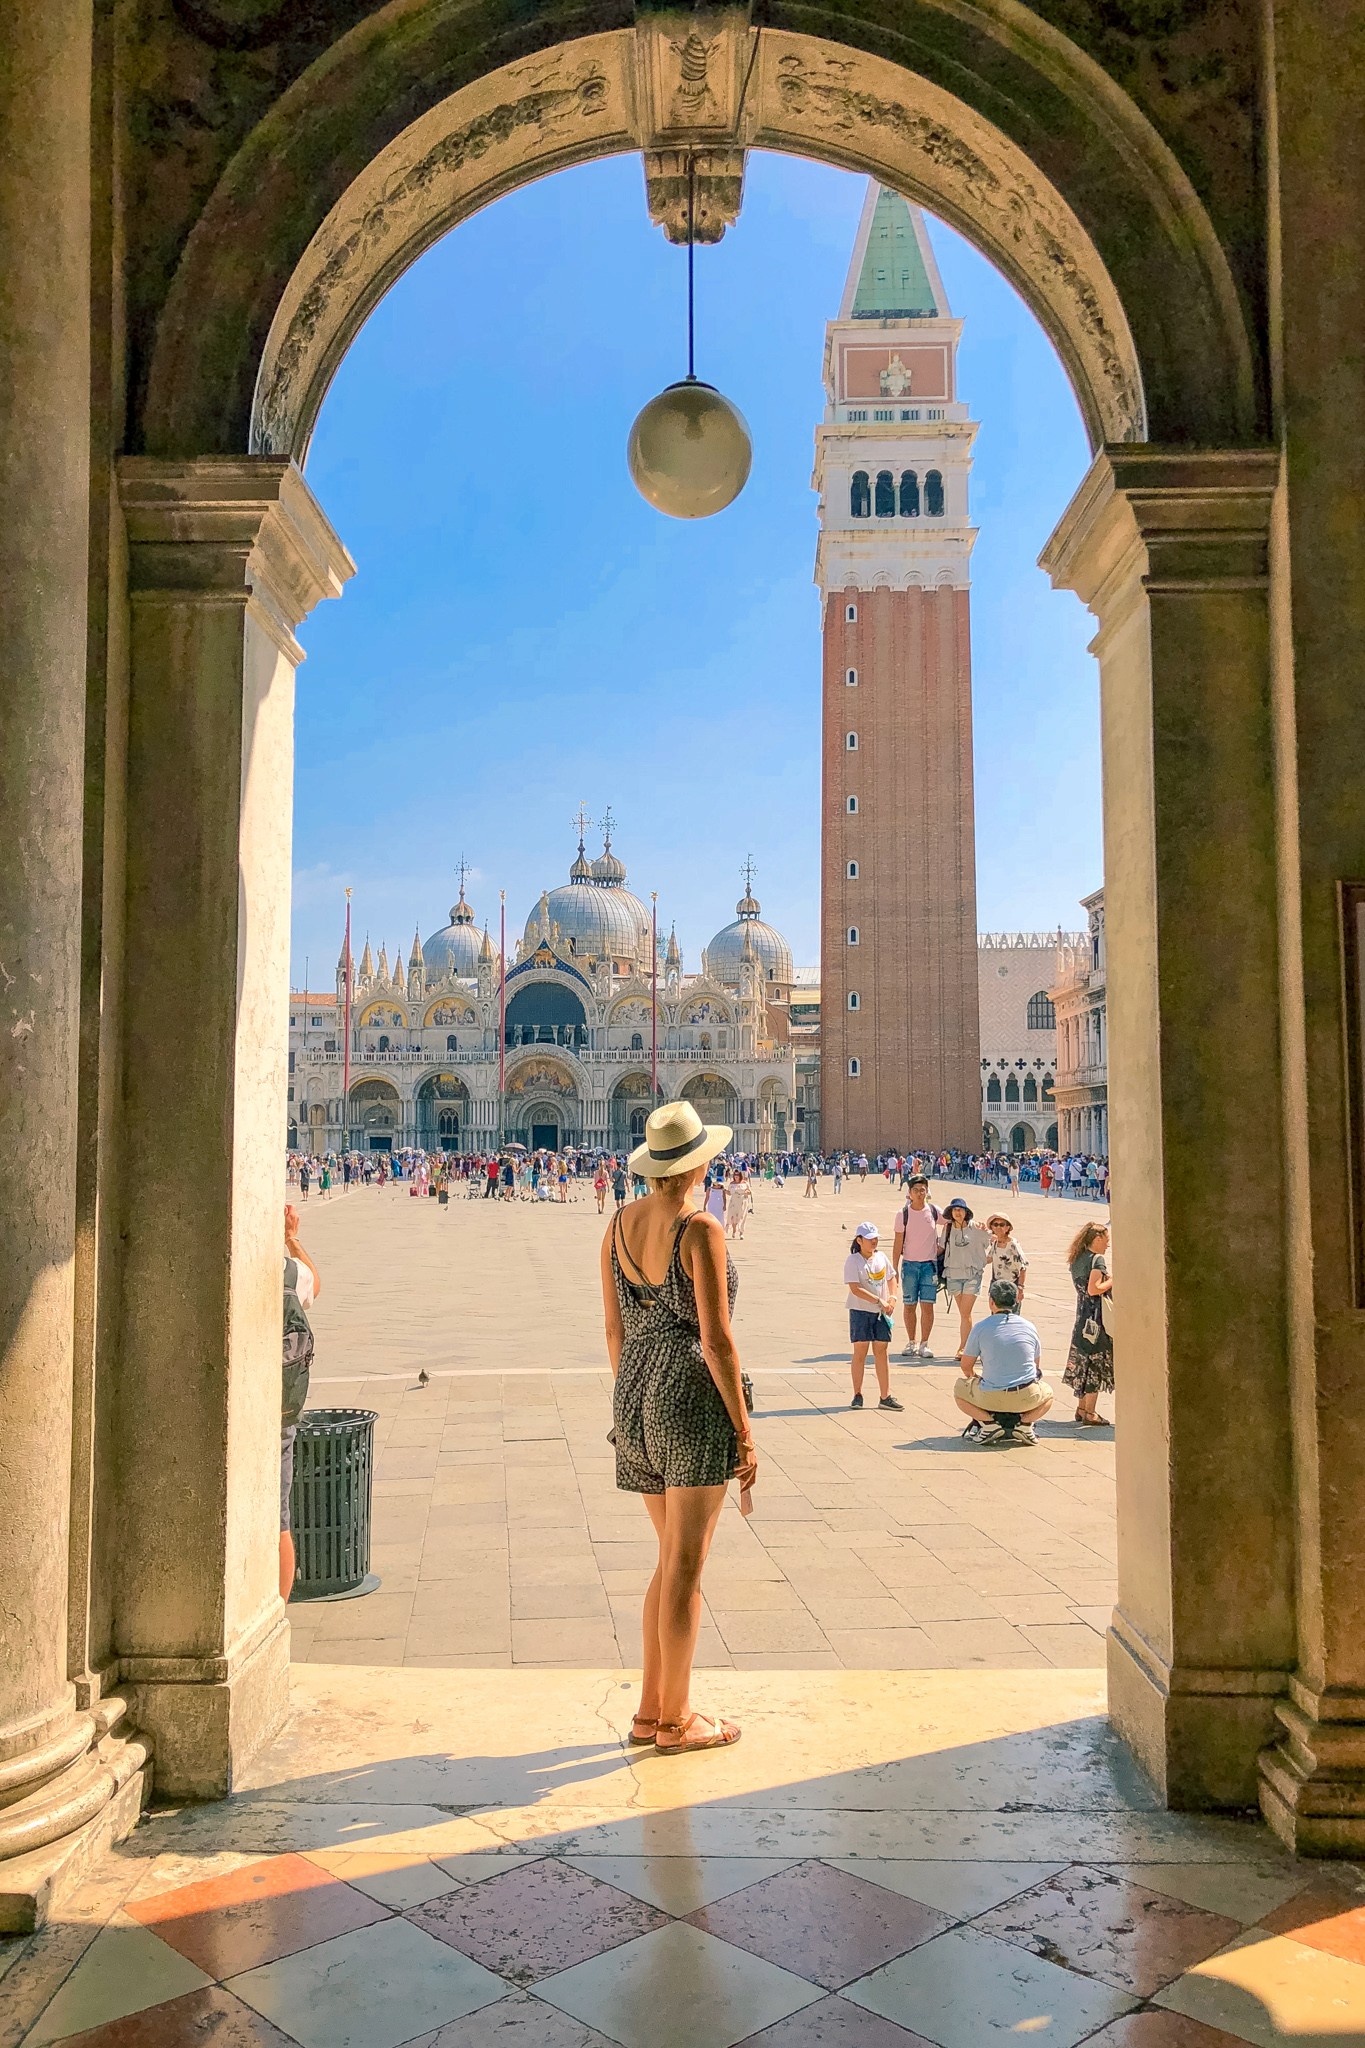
x=96, y=1804
x=208, y=1716
x=1312, y=1787
x=1196, y=1734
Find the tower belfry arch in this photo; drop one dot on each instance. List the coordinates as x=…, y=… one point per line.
x=325, y=169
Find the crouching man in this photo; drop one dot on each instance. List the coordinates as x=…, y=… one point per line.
x=1003, y=1390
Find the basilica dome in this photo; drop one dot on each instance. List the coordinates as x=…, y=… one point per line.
x=723, y=956
x=455, y=948
x=596, y=915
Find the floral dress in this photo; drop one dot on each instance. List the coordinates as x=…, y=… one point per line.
x=672, y=1427
x=1090, y=1363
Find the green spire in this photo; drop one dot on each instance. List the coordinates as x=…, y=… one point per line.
x=893, y=283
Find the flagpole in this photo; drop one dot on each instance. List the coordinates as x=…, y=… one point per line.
x=654, y=998
x=502, y=1015
x=346, y=1037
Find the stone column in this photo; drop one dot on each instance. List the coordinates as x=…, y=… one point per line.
x=1169, y=549
x=1313, y=1779
x=227, y=556
x=58, y=1784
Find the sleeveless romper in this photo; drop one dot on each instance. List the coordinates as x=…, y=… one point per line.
x=671, y=1426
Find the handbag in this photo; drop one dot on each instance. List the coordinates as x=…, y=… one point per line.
x=1092, y=1329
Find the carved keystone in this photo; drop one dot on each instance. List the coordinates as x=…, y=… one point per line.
x=690, y=104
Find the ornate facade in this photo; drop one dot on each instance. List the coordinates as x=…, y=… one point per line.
x=1083, y=1036
x=444, y=1056
x=1015, y=971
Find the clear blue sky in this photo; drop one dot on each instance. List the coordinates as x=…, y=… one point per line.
x=524, y=632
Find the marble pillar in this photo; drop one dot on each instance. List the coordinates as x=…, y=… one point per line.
x=1313, y=1775
x=226, y=557
x=61, y=1776
x=1170, y=550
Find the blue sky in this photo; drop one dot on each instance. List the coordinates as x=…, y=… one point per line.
x=524, y=632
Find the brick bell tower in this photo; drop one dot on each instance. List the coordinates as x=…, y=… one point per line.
x=899, y=1014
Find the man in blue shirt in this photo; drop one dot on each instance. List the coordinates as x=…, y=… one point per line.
x=1002, y=1390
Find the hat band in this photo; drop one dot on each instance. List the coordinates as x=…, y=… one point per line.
x=678, y=1151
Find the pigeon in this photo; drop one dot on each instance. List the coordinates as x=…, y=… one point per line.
x=422, y=1377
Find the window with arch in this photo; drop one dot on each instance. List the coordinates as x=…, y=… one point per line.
x=383, y=1041
x=853, y=1002
x=637, y=1041
x=1030, y=1089
x=933, y=493
x=1011, y=1090
x=853, y=871
x=855, y=1067
x=852, y=805
x=452, y=1043
x=851, y=742
x=851, y=678
x=853, y=935
x=1041, y=1015
x=851, y=613
x=1047, y=1087
x=909, y=494
x=993, y=1089
x=860, y=495
x=885, y=502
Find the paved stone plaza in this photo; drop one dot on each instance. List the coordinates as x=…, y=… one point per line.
x=878, y=1541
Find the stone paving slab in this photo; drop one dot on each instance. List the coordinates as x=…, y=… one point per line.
x=877, y=1540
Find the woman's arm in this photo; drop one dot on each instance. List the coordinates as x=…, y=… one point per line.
x=611, y=1308
x=1099, y=1281
x=703, y=1249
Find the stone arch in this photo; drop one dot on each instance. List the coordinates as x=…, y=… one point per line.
x=441, y=1107
x=375, y=1113
x=1034, y=153
x=631, y=1101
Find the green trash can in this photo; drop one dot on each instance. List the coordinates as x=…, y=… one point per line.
x=330, y=1503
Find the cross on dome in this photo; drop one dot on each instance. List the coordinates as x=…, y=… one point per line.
x=748, y=904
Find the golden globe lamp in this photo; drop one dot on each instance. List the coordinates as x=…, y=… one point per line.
x=690, y=452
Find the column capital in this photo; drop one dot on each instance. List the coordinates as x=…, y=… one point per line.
x=1199, y=517
x=231, y=529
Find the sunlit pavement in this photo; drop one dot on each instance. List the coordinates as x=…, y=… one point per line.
x=477, y=1860
x=879, y=1540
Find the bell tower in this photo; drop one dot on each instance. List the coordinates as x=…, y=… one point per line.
x=899, y=1010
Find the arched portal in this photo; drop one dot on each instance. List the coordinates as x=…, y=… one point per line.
x=375, y=1116
x=1003, y=126
x=631, y=1101
x=442, y=1113
x=546, y=1013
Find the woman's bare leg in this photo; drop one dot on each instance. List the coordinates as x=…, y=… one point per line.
x=650, y=1682
x=882, y=1369
x=690, y=1517
x=855, y=1366
x=965, y=1305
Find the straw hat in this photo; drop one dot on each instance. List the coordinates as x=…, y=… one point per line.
x=676, y=1141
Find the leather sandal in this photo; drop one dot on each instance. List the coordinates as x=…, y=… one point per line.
x=642, y=1721
x=723, y=1734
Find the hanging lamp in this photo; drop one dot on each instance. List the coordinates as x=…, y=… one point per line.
x=689, y=451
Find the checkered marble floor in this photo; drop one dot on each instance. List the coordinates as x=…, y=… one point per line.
x=886, y=1860
x=363, y=1949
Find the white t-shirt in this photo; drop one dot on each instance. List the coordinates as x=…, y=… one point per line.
x=304, y=1286
x=874, y=1274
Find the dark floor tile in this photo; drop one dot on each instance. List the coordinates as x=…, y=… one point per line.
x=1125, y=1935
x=256, y=1915
x=211, y=2018
x=821, y=1923
x=532, y=1922
x=834, y=2023
x=1329, y=1915
x=1162, y=2030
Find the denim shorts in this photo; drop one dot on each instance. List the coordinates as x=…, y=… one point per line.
x=919, y=1281
x=865, y=1326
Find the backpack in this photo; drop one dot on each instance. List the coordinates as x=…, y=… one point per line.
x=297, y=1350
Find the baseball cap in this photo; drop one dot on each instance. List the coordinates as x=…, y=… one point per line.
x=867, y=1230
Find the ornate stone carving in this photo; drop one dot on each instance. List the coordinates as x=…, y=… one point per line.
x=715, y=197
x=969, y=172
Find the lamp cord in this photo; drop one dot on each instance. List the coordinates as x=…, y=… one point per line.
x=691, y=264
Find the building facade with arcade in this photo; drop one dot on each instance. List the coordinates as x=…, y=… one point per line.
x=594, y=1020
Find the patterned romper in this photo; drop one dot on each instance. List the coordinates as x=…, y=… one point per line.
x=672, y=1427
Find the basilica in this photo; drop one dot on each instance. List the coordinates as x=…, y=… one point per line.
x=450, y=1054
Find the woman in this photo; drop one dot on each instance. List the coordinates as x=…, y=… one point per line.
x=965, y=1249
x=1007, y=1259
x=717, y=1197
x=737, y=1208
x=681, y=1429
x=599, y=1186
x=1090, y=1361
x=870, y=1279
